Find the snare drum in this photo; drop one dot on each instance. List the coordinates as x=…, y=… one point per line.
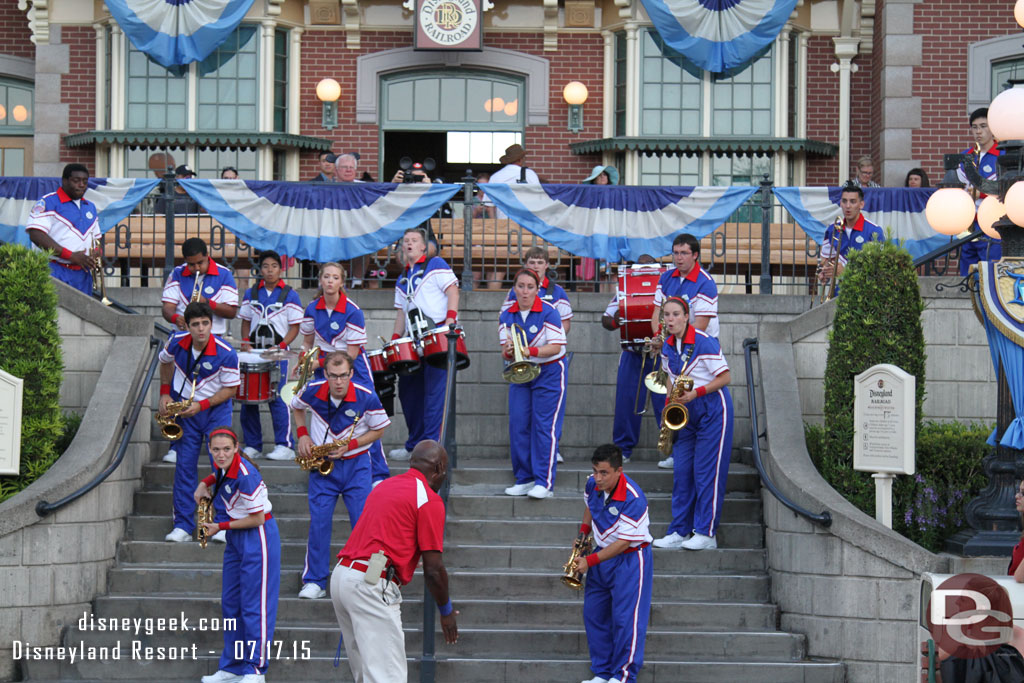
x=637, y=284
x=259, y=378
x=378, y=364
x=435, y=348
x=402, y=356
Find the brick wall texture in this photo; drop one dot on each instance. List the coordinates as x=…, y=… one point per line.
x=81, y=101
x=15, y=35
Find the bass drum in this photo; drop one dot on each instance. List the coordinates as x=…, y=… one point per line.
x=637, y=284
x=435, y=348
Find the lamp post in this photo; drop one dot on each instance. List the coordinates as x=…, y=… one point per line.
x=328, y=91
x=575, y=94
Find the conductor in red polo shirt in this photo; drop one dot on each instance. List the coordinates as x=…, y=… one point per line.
x=403, y=518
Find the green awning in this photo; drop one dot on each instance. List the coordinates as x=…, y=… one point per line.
x=203, y=140
x=722, y=145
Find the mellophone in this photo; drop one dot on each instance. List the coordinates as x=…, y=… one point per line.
x=637, y=284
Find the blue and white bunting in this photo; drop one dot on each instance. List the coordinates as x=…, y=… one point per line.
x=616, y=223
x=115, y=198
x=177, y=32
x=319, y=221
x=719, y=35
x=899, y=211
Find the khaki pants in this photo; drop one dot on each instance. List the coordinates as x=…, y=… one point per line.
x=372, y=630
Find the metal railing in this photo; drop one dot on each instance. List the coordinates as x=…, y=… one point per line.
x=823, y=518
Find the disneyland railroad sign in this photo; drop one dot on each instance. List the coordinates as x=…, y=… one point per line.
x=10, y=423
x=448, y=25
x=883, y=420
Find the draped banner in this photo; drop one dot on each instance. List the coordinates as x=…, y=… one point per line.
x=176, y=32
x=616, y=223
x=899, y=211
x=1000, y=303
x=719, y=35
x=319, y=221
x=114, y=198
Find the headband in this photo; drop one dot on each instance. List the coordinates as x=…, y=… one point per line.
x=679, y=300
x=224, y=431
x=532, y=274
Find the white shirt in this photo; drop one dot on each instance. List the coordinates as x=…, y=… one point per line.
x=510, y=173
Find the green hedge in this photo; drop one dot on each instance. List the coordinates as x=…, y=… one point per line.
x=928, y=507
x=30, y=349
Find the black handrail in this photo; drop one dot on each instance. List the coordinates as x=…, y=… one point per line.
x=946, y=248
x=825, y=517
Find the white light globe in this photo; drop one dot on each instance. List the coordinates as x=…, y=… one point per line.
x=1004, y=115
x=1014, y=203
x=575, y=92
x=328, y=90
x=950, y=211
x=989, y=212
x=1018, y=13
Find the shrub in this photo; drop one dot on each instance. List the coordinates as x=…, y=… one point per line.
x=878, y=320
x=30, y=349
x=928, y=507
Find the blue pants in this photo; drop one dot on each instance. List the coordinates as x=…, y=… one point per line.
x=983, y=248
x=422, y=397
x=616, y=607
x=251, y=580
x=195, y=430
x=79, y=279
x=350, y=479
x=701, y=465
x=280, y=417
x=626, y=428
x=533, y=429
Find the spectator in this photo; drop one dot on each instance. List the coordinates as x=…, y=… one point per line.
x=599, y=175
x=326, y=174
x=916, y=178
x=865, y=173
x=229, y=173
x=484, y=209
x=513, y=171
x=183, y=203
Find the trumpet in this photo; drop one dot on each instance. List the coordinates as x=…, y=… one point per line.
x=318, y=455
x=675, y=415
x=520, y=370
x=98, y=281
x=197, y=288
x=570, y=577
x=204, y=515
x=306, y=360
x=827, y=290
x=169, y=428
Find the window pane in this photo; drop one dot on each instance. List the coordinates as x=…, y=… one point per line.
x=426, y=95
x=670, y=122
x=451, y=100
x=400, y=101
x=670, y=90
x=155, y=95
x=228, y=87
x=13, y=161
x=742, y=99
x=670, y=170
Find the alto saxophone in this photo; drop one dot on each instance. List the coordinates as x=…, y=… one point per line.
x=319, y=455
x=169, y=428
x=675, y=415
x=204, y=516
x=580, y=547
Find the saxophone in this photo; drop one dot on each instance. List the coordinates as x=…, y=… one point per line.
x=169, y=428
x=318, y=455
x=204, y=515
x=675, y=415
x=580, y=547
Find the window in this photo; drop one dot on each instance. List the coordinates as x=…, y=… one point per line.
x=156, y=97
x=741, y=102
x=468, y=102
x=620, y=83
x=479, y=147
x=281, y=81
x=669, y=169
x=227, y=84
x=741, y=170
x=137, y=161
x=16, y=108
x=210, y=162
x=12, y=161
x=1002, y=72
x=670, y=90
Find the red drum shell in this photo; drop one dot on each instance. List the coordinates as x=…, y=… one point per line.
x=258, y=381
x=401, y=356
x=637, y=284
x=378, y=363
x=435, y=348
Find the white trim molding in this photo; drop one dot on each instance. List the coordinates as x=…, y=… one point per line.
x=980, y=57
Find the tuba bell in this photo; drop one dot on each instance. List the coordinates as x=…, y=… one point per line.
x=520, y=370
x=570, y=577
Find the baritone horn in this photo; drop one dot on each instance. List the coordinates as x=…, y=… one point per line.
x=570, y=577
x=520, y=370
x=204, y=516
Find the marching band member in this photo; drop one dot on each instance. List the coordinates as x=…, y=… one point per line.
x=201, y=357
x=634, y=365
x=333, y=322
x=271, y=312
x=857, y=231
x=617, y=593
x=986, y=157
x=690, y=281
x=335, y=404
x=704, y=446
x=67, y=224
x=252, y=561
x=427, y=293
x=216, y=287
x=534, y=406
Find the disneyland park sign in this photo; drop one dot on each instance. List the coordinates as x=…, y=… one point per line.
x=448, y=25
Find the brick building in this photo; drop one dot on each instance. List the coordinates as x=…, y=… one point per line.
x=73, y=88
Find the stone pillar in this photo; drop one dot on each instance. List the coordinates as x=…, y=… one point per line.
x=901, y=111
x=846, y=50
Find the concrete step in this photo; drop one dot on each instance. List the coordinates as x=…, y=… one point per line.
x=467, y=531
x=510, y=583
x=478, y=556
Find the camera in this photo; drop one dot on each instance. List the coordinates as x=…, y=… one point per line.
x=411, y=169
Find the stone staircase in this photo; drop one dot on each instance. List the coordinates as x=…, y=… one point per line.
x=711, y=618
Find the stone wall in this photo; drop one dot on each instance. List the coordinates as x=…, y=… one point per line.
x=54, y=566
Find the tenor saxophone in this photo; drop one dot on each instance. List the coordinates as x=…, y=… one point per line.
x=204, y=516
x=580, y=547
x=675, y=415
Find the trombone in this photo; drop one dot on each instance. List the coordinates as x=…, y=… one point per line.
x=520, y=370
x=827, y=290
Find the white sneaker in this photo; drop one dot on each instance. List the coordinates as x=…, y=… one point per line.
x=252, y=453
x=281, y=453
x=311, y=591
x=666, y=464
x=673, y=541
x=595, y=679
x=700, y=542
x=539, y=492
x=220, y=537
x=399, y=454
x=221, y=677
x=374, y=484
x=170, y=456
x=253, y=678
x=178, y=535
x=519, y=489
x=559, y=458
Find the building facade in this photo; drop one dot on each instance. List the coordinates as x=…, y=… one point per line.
x=889, y=79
